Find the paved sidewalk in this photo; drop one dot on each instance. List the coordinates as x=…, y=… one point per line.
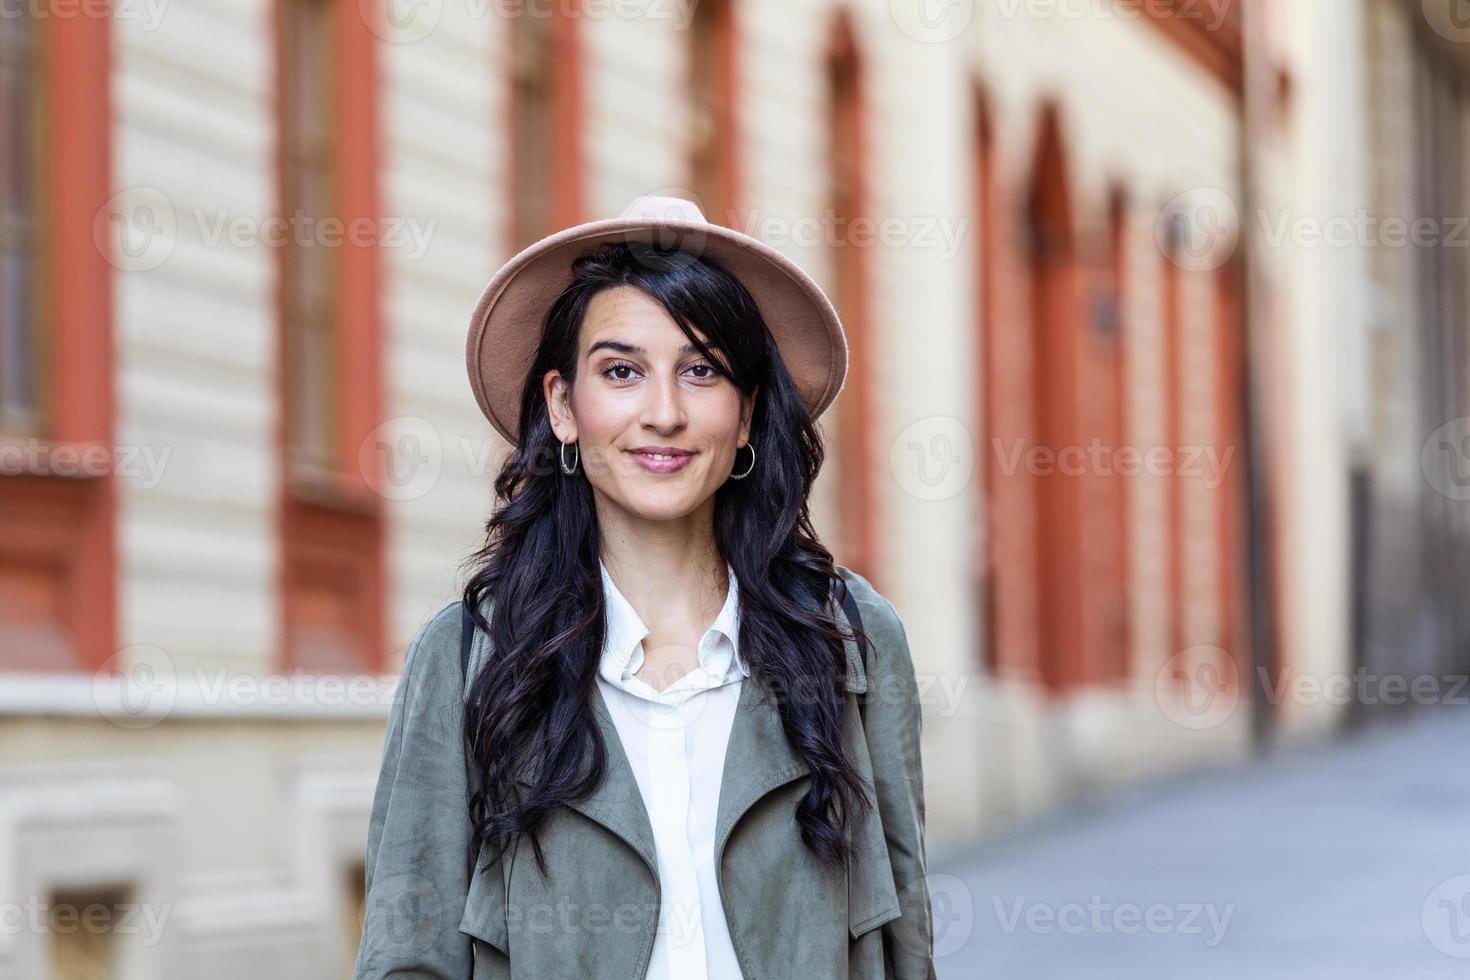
x=1337, y=861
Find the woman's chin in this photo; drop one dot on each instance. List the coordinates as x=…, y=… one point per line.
x=660, y=503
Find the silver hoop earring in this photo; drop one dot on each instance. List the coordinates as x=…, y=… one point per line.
x=573, y=468
x=741, y=476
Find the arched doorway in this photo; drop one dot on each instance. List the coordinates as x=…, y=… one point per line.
x=1056, y=383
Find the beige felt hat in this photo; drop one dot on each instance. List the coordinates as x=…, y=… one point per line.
x=506, y=326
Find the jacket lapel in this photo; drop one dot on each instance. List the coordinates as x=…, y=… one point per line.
x=617, y=803
x=758, y=759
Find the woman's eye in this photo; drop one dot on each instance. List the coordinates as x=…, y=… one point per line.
x=625, y=372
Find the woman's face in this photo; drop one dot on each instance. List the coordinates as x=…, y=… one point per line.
x=641, y=387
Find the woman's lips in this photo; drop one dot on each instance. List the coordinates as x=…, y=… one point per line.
x=655, y=463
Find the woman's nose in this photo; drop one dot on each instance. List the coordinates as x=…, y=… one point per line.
x=664, y=408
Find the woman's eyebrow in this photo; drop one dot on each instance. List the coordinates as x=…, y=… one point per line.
x=622, y=348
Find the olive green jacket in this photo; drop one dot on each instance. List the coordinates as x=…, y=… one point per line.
x=790, y=915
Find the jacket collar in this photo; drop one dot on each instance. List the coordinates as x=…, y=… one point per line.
x=758, y=759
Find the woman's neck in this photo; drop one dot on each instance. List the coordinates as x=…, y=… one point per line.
x=666, y=566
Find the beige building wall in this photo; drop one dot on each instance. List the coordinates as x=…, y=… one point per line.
x=1323, y=297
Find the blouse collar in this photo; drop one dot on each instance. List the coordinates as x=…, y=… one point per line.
x=626, y=630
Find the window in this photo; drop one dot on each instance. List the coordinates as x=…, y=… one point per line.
x=309, y=197
x=983, y=200
x=1057, y=335
x=84, y=933
x=21, y=197
x=57, y=532
x=332, y=517
x=1231, y=632
x=545, y=113
x=852, y=415
x=1115, y=577
x=712, y=119
x=1171, y=303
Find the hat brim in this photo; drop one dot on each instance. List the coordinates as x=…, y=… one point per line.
x=505, y=328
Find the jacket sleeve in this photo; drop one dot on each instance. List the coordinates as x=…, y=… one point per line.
x=894, y=724
x=417, y=874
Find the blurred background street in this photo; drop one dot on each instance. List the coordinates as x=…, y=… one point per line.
x=1156, y=434
x=1330, y=861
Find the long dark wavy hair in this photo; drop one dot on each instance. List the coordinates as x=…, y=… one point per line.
x=530, y=705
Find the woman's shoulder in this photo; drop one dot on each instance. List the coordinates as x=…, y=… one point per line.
x=431, y=669
x=892, y=678
x=880, y=619
x=871, y=603
x=441, y=629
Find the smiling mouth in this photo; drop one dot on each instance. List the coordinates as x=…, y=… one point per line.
x=659, y=456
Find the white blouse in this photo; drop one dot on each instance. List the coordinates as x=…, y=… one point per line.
x=675, y=742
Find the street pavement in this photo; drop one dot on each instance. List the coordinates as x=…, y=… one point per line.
x=1345, y=859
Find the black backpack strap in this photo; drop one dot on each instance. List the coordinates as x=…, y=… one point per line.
x=854, y=618
x=849, y=606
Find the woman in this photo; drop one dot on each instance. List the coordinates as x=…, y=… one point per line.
x=666, y=753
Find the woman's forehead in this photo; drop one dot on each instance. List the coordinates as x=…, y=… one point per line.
x=631, y=320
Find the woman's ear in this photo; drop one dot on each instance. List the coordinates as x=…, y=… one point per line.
x=558, y=395
x=747, y=412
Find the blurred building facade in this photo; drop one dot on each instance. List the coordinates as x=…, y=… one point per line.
x=1410, y=463
x=1123, y=455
